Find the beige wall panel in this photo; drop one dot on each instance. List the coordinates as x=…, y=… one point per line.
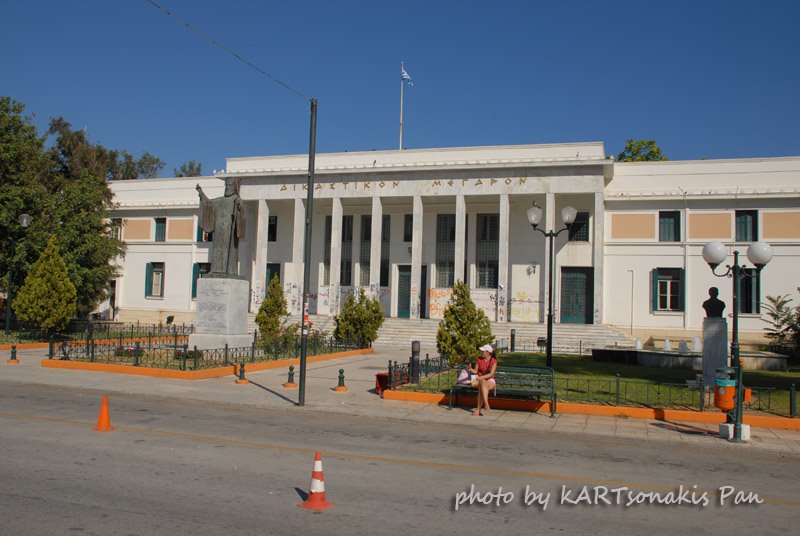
x=781, y=225
x=180, y=229
x=136, y=230
x=714, y=225
x=633, y=226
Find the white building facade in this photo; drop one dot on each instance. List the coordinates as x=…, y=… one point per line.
x=404, y=225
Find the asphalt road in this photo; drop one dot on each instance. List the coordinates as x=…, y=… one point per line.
x=178, y=467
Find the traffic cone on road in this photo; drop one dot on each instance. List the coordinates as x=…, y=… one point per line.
x=103, y=419
x=316, y=495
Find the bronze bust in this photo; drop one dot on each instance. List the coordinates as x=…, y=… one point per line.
x=713, y=305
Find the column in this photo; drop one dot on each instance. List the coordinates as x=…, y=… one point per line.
x=502, y=260
x=461, y=223
x=416, y=257
x=336, y=256
x=375, y=247
x=259, y=283
x=597, y=250
x=549, y=225
x=298, y=244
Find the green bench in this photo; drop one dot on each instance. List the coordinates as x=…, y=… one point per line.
x=516, y=382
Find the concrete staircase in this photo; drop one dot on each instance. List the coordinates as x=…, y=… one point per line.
x=567, y=338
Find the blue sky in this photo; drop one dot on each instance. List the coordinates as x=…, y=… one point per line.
x=705, y=79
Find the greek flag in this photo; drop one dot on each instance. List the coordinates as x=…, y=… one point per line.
x=405, y=76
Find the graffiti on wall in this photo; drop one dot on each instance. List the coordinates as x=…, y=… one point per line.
x=524, y=308
x=437, y=301
x=485, y=299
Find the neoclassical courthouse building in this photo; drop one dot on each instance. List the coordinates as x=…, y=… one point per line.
x=404, y=225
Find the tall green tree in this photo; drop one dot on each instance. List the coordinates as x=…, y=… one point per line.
x=64, y=188
x=272, y=312
x=189, y=169
x=464, y=327
x=641, y=151
x=360, y=319
x=47, y=299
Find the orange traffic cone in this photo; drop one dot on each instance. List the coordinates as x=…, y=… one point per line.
x=316, y=495
x=103, y=420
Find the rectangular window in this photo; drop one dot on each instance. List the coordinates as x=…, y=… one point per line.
x=272, y=229
x=386, y=235
x=154, y=280
x=445, y=250
x=203, y=236
x=669, y=226
x=199, y=269
x=749, y=302
x=161, y=229
x=366, y=250
x=579, y=230
x=115, y=229
x=487, y=250
x=408, y=228
x=668, y=289
x=746, y=225
x=346, y=262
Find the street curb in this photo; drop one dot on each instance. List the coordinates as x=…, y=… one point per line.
x=216, y=372
x=672, y=415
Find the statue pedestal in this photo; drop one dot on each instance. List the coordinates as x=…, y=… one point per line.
x=221, y=316
x=715, y=348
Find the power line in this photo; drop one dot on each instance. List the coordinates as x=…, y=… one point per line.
x=223, y=47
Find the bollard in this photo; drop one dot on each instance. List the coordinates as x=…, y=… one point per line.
x=290, y=381
x=792, y=401
x=513, y=339
x=341, y=388
x=13, y=360
x=242, y=380
x=413, y=365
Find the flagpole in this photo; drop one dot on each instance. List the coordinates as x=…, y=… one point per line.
x=402, y=66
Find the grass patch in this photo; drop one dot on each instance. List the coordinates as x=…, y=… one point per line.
x=580, y=379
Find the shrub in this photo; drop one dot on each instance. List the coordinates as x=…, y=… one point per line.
x=464, y=327
x=272, y=312
x=360, y=319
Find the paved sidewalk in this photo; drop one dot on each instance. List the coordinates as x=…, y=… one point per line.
x=265, y=390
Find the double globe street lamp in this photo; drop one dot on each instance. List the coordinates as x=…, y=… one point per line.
x=24, y=221
x=759, y=253
x=568, y=214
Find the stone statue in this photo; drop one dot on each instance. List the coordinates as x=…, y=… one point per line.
x=223, y=217
x=713, y=305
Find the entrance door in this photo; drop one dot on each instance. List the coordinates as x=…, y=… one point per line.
x=423, y=293
x=404, y=292
x=273, y=269
x=577, y=295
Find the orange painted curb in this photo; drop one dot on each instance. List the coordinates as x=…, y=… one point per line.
x=203, y=374
x=759, y=421
x=25, y=345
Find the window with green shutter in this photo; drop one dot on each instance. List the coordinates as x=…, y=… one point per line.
x=199, y=269
x=669, y=226
x=746, y=225
x=154, y=280
x=161, y=229
x=668, y=289
x=579, y=230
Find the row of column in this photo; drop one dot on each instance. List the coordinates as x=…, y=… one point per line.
x=259, y=270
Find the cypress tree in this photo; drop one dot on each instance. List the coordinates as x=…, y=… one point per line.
x=464, y=327
x=272, y=312
x=47, y=298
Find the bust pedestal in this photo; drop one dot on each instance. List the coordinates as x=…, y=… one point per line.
x=715, y=348
x=221, y=316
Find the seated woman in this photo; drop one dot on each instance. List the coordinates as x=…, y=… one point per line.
x=484, y=376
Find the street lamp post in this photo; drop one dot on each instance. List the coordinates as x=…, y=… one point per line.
x=535, y=217
x=759, y=253
x=24, y=221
